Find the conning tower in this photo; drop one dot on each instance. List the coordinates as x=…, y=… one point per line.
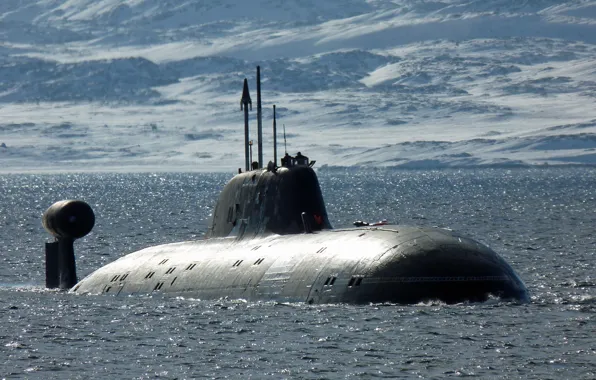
x=274, y=200
x=284, y=200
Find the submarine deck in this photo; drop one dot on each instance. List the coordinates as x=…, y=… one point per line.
x=400, y=264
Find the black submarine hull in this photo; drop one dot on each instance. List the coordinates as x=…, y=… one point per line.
x=395, y=264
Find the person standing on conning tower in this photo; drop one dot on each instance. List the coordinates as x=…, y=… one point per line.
x=301, y=160
x=287, y=160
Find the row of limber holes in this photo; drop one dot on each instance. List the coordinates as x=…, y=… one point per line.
x=236, y=264
x=172, y=269
x=158, y=286
x=354, y=281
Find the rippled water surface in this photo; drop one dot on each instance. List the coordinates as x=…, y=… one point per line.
x=541, y=221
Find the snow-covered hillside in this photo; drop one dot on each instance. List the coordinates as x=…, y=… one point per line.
x=155, y=84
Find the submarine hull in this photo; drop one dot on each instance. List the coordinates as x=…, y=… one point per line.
x=270, y=238
x=395, y=264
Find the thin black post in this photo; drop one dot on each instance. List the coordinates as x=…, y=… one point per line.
x=245, y=101
x=274, y=137
x=66, y=263
x=52, y=266
x=285, y=141
x=306, y=223
x=259, y=119
x=250, y=150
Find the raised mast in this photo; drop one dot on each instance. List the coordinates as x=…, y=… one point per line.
x=274, y=137
x=259, y=119
x=245, y=101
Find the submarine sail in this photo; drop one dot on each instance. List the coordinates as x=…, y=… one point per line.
x=270, y=239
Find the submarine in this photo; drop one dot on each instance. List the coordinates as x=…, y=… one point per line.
x=270, y=239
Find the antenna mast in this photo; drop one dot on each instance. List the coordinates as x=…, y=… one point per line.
x=244, y=103
x=259, y=119
x=274, y=137
x=285, y=141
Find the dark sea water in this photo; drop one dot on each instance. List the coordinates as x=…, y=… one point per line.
x=541, y=221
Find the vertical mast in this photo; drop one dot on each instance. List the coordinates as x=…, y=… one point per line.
x=285, y=141
x=244, y=102
x=274, y=137
x=259, y=119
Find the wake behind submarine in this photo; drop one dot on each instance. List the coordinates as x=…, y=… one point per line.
x=270, y=239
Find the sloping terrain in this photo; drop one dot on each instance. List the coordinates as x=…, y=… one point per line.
x=155, y=85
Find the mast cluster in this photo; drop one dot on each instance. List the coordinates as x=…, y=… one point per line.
x=245, y=105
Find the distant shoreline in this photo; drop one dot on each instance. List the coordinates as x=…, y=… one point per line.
x=133, y=169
